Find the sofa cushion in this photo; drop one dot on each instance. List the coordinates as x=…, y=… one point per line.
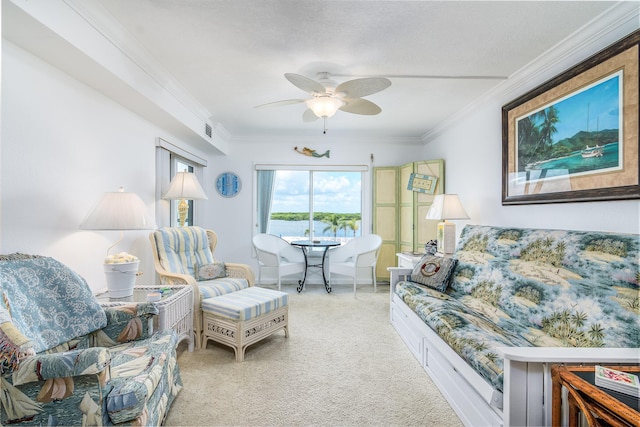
x=217, y=287
x=245, y=304
x=472, y=335
x=180, y=248
x=434, y=271
x=431, y=300
x=48, y=302
x=561, y=288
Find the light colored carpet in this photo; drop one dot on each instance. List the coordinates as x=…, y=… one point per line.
x=342, y=365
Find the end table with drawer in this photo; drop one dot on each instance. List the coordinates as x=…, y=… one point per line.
x=175, y=308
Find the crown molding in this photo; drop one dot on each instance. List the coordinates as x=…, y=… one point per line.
x=335, y=138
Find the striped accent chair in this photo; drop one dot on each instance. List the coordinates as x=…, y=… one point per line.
x=177, y=253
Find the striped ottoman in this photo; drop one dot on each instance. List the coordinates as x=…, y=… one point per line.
x=239, y=319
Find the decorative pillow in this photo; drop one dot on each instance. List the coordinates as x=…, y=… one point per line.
x=433, y=271
x=211, y=271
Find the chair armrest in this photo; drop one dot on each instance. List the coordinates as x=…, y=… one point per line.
x=176, y=279
x=242, y=271
x=125, y=322
x=61, y=365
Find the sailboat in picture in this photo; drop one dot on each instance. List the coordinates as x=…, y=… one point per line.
x=598, y=150
x=589, y=152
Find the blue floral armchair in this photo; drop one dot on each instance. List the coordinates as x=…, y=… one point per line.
x=65, y=360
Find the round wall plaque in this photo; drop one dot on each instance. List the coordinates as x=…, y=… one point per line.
x=228, y=184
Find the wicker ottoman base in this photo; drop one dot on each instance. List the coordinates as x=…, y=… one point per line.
x=241, y=334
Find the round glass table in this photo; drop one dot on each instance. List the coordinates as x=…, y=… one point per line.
x=306, y=246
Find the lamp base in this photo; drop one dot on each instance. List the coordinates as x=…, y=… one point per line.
x=446, y=237
x=183, y=210
x=121, y=278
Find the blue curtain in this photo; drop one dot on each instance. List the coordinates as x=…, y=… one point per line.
x=266, y=179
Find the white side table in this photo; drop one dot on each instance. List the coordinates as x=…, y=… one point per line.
x=175, y=308
x=408, y=259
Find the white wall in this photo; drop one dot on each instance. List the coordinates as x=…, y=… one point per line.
x=232, y=218
x=63, y=146
x=471, y=145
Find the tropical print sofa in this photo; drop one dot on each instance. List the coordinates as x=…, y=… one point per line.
x=533, y=288
x=65, y=360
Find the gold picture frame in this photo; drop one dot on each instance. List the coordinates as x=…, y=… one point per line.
x=575, y=137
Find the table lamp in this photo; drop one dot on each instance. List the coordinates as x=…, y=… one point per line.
x=444, y=207
x=120, y=211
x=183, y=187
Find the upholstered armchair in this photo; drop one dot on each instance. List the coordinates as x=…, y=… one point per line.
x=66, y=360
x=184, y=256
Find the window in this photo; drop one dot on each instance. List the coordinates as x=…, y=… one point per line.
x=180, y=164
x=170, y=160
x=303, y=203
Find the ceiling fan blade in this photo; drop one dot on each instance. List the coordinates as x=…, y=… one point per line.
x=309, y=116
x=362, y=87
x=305, y=83
x=360, y=106
x=279, y=103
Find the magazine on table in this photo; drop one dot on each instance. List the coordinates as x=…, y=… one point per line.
x=620, y=381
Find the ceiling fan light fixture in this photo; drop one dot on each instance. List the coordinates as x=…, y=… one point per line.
x=324, y=106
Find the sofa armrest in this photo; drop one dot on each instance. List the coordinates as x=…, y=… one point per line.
x=72, y=363
x=240, y=271
x=398, y=274
x=125, y=322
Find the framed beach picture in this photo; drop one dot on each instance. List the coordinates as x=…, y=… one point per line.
x=575, y=137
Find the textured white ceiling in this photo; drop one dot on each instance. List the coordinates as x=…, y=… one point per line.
x=231, y=55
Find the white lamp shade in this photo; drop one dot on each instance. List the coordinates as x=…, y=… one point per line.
x=185, y=185
x=446, y=206
x=118, y=210
x=324, y=106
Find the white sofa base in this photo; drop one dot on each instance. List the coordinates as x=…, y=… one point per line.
x=468, y=394
x=527, y=377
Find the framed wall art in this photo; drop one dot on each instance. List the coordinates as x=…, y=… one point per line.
x=422, y=183
x=575, y=137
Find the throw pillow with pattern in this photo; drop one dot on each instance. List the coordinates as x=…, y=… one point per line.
x=434, y=271
x=211, y=271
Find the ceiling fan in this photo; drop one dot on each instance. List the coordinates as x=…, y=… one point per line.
x=327, y=96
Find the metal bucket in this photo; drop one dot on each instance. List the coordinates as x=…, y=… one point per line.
x=121, y=278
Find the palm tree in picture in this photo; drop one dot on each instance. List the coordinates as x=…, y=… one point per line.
x=529, y=140
x=549, y=117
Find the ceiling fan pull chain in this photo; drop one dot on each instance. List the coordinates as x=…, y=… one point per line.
x=325, y=126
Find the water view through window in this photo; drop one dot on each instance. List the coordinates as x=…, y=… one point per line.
x=316, y=205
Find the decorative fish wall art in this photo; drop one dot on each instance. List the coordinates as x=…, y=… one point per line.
x=312, y=153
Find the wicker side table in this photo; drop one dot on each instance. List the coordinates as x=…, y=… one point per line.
x=175, y=308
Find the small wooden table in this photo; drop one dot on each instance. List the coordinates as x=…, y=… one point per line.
x=306, y=245
x=595, y=403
